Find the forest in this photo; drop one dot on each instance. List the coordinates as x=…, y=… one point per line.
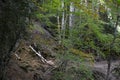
x=59, y=39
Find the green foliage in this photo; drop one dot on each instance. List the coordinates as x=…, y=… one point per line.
x=73, y=73
x=92, y=32
x=72, y=68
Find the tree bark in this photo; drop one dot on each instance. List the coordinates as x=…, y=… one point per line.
x=63, y=20
x=71, y=18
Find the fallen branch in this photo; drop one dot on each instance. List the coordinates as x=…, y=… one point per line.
x=39, y=54
x=42, y=58
x=18, y=57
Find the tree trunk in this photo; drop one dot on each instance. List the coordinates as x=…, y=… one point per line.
x=59, y=28
x=10, y=30
x=63, y=21
x=71, y=17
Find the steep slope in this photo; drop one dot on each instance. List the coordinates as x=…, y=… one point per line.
x=25, y=64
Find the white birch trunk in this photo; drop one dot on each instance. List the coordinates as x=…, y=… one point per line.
x=63, y=20
x=63, y=17
x=71, y=15
x=86, y=3
x=59, y=28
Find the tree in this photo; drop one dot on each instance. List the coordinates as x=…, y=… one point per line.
x=85, y=26
x=13, y=22
x=112, y=45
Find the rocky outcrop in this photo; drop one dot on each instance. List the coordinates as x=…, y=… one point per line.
x=25, y=64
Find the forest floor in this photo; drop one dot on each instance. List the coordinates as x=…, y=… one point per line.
x=102, y=67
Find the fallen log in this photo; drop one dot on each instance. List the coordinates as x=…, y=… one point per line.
x=41, y=57
x=39, y=54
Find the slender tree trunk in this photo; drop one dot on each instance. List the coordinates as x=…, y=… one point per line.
x=59, y=28
x=86, y=3
x=97, y=7
x=111, y=46
x=71, y=15
x=63, y=17
x=63, y=20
